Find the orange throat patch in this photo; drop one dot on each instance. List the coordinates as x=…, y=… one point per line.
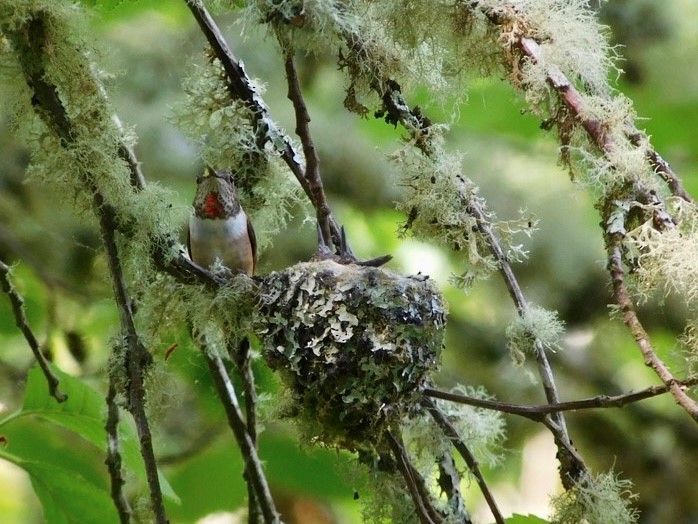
x=212, y=206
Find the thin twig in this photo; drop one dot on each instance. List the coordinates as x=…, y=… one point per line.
x=538, y=412
x=17, y=303
x=642, y=339
x=253, y=466
x=113, y=460
x=468, y=457
x=312, y=161
x=425, y=511
x=544, y=369
x=241, y=356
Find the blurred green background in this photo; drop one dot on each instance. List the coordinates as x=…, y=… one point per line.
x=151, y=46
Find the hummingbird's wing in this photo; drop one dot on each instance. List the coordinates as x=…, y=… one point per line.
x=253, y=243
x=189, y=242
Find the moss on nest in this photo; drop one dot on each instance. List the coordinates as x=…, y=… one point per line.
x=352, y=343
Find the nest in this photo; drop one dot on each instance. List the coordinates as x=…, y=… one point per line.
x=353, y=344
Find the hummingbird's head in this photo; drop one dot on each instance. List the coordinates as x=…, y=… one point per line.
x=215, y=195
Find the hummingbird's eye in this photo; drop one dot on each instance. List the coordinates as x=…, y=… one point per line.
x=199, y=178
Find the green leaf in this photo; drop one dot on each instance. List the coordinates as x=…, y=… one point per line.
x=313, y=471
x=67, y=473
x=67, y=497
x=83, y=414
x=525, y=519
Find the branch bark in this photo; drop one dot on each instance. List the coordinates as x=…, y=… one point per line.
x=312, y=162
x=631, y=320
x=17, y=303
x=137, y=357
x=30, y=41
x=253, y=466
x=467, y=456
x=242, y=358
x=538, y=413
x=415, y=483
x=113, y=460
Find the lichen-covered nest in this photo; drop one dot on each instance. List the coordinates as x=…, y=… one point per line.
x=352, y=343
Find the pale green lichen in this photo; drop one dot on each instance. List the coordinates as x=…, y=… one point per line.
x=535, y=324
x=439, y=203
x=221, y=126
x=570, y=38
x=384, y=497
x=667, y=259
x=75, y=141
x=352, y=343
x=481, y=430
x=596, y=499
x=622, y=164
x=309, y=25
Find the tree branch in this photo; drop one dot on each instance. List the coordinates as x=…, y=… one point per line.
x=137, y=357
x=242, y=358
x=642, y=339
x=113, y=460
x=425, y=511
x=507, y=273
x=312, y=162
x=468, y=457
x=417, y=126
x=538, y=412
x=253, y=466
x=17, y=303
x=30, y=42
x=573, y=100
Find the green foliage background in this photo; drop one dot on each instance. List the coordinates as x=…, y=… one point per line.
x=151, y=46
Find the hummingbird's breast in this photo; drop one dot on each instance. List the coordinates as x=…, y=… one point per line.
x=224, y=239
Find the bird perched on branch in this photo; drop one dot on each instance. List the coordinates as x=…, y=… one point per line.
x=219, y=228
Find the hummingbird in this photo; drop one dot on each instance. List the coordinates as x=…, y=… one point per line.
x=219, y=228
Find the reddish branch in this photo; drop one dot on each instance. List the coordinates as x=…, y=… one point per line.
x=570, y=96
x=312, y=162
x=627, y=308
